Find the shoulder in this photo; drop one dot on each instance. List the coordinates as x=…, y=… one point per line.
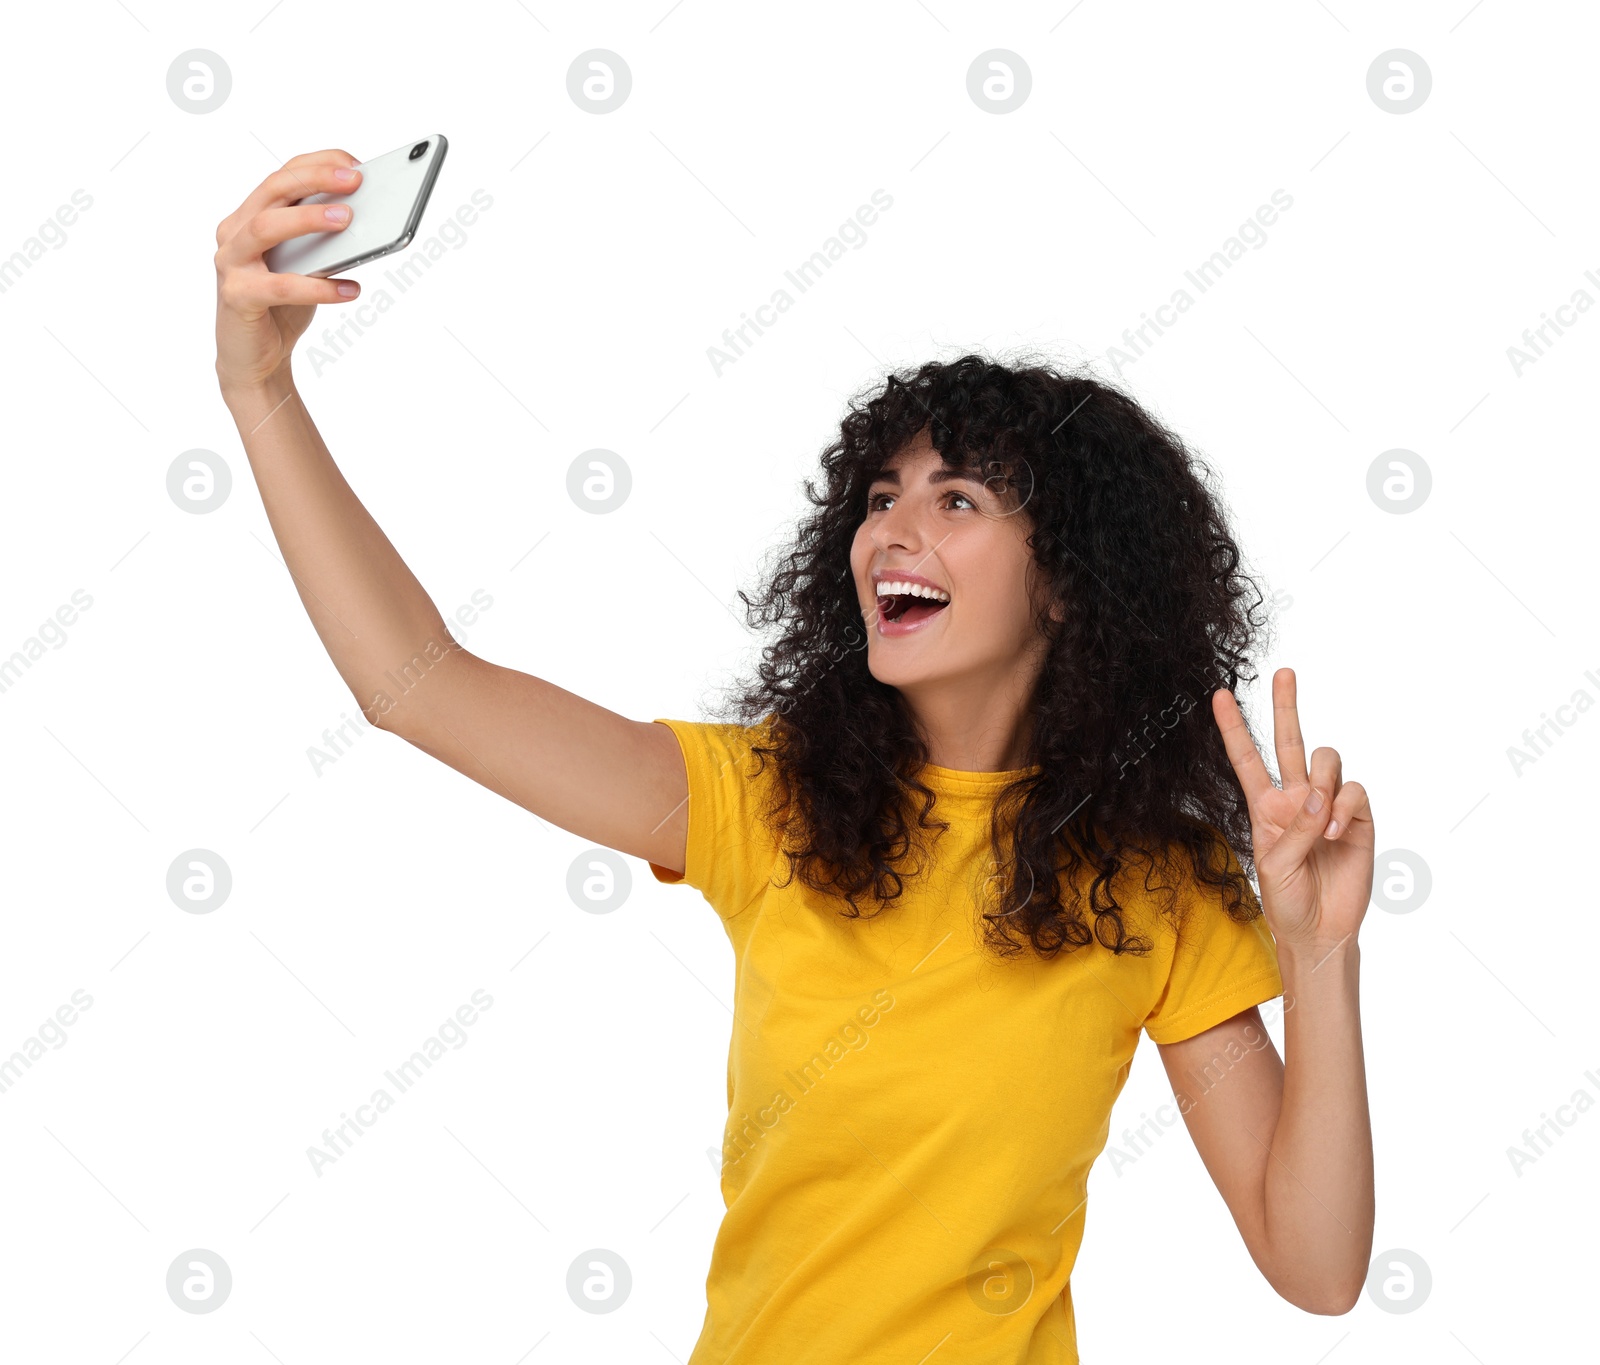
x=1186, y=878
x=734, y=816
x=1213, y=952
x=726, y=753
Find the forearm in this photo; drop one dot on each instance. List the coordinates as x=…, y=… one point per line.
x=1318, y=1196
x=373, y=616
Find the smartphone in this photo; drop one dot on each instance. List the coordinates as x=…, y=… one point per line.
x=385, y=209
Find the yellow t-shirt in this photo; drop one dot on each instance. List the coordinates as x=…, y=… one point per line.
x=911, y=1118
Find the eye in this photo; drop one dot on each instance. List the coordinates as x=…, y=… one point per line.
x=877, y=502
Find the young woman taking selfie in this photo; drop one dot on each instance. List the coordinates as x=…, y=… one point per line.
x=984, y=811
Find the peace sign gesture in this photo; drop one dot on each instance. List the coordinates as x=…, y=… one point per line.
x=1313, y=836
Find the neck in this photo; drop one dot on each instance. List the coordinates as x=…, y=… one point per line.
x=975, y=725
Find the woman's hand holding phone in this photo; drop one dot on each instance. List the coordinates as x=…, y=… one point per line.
x=261, y=314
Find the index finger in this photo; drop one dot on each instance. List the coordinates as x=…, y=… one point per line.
x=1241, y=747
x=280, y=186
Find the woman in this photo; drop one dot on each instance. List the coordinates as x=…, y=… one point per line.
x=972, y=831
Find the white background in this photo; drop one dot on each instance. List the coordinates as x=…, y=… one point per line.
x=371, y=900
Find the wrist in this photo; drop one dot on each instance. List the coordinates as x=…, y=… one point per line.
x=1328, y=960
x=250, y=401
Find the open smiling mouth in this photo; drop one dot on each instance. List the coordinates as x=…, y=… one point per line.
x=908, y=604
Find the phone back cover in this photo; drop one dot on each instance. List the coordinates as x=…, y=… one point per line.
x=385, y=209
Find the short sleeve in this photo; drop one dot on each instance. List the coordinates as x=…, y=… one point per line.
x=1218, y=968
x=731, y=849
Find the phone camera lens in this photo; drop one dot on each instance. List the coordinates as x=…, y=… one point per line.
x=417, y=151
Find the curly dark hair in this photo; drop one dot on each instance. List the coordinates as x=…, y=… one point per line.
x=1125, y=528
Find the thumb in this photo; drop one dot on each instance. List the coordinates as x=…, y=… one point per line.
x=1302, y=833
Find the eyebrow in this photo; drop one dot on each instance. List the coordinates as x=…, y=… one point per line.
x=943, y=474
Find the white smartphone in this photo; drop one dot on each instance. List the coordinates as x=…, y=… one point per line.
x=385, y=209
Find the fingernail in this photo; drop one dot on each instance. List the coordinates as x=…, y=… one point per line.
x=1332, y=831
x=344, y=173
x=349, y=290
x=336, y=213
x=1314, y=801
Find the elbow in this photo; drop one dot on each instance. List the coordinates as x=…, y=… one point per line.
x=1325, y=1278
x=1335, y=1306
x=1329, y=1299
x=373, y=706
x=388, y=702
x=378, y=715
x=377, y=710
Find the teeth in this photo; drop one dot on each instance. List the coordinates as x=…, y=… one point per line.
x=891, y=588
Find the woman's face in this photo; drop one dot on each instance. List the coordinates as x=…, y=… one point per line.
x=930, y=525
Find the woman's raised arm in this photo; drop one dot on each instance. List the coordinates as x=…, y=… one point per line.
x=605, y=778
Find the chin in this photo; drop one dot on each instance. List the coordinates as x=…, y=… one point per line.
x=903, y=673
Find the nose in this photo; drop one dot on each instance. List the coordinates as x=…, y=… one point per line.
x=898, y=528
